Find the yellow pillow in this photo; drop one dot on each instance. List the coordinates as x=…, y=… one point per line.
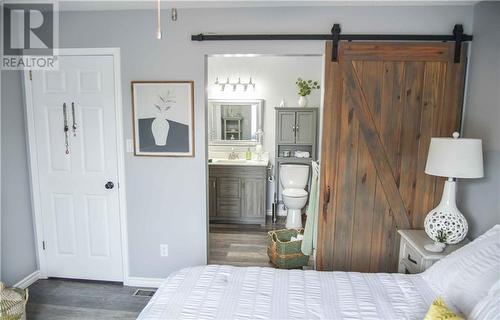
x=440, y=311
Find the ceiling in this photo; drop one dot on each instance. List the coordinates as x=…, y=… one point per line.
x=95, y=5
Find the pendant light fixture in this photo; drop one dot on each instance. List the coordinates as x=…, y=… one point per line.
x=158, y=20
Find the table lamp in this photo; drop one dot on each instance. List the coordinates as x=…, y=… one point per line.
x=451, y=158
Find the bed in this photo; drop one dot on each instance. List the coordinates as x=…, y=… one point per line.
x=226, y=292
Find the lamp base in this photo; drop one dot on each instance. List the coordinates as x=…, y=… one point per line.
x=446, y=217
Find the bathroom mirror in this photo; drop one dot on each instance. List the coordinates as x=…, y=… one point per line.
x=237, y=122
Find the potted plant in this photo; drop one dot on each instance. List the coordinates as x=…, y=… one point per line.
x=305, y=87
x=439, y=244
x=441, y=240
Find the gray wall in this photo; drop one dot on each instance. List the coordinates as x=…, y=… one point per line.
x=479, y=198
x=17, y=242
x=166, y=196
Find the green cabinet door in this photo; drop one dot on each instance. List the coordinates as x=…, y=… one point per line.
x=286, y=129
x=212, y=197
x=253, y=198
x=305, y=127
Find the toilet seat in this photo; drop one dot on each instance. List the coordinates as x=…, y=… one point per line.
x=295, y=193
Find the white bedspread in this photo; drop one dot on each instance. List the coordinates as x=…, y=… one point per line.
x=225, y=292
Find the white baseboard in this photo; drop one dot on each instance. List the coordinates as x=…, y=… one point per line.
x=143, y=282
x=28, y=280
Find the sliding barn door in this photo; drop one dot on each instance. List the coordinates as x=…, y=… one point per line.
x=383, y=103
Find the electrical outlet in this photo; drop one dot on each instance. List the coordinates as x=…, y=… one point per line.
x=164, y=250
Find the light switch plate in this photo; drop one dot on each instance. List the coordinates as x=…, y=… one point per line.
x=129, y=145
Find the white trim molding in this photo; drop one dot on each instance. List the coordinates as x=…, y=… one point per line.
x=29, y=280
x=32, y=155
x=143, y=282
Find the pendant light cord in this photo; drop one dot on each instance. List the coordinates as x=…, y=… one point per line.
x=158, y=19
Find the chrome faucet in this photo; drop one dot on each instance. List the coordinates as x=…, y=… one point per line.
x=233, y=155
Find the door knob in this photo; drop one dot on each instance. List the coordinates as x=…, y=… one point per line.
x=109, y=185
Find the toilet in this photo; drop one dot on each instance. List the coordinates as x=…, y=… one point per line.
x=294, y=178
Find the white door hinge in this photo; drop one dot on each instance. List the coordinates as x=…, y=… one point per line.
x=43, y=245
x=31, y=75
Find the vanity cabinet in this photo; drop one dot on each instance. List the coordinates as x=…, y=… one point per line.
x=212, y=196
x=237, y=194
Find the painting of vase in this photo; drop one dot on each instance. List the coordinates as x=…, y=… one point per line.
x=160, y=125
x=163, y=118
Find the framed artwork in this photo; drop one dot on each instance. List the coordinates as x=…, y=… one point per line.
x=163, y=113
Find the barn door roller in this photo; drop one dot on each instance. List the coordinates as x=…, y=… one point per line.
x=335, y=35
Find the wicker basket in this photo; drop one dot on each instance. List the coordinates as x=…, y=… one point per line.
x=13, y=303
x=282, y=252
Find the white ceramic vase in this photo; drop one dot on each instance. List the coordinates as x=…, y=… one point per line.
x=160, y=128
x=446, y=217
x=302, y=102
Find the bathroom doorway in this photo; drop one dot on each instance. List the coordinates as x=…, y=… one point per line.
x=263, y=111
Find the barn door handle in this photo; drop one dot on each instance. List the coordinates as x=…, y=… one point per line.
x=109, y=185
x=327, y=195
x=326, y=199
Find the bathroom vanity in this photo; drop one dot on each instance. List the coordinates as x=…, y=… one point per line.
x=237, y=187
x=237, y=191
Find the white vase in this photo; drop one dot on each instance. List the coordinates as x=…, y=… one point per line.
x=302, y=101
x=160, y=128
x=439, y=245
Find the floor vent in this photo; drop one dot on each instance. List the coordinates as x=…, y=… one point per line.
x=144, y=292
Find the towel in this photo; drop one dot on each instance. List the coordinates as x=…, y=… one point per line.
x=309, y=242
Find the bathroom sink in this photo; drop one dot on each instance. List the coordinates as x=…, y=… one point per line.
x=229, y=161
x=240, y=162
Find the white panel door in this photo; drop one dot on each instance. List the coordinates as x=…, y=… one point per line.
x=81, y=221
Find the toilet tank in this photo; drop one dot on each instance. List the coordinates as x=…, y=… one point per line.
x=294, y=176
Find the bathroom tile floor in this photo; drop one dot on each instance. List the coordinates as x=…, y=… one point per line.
x=240, y=244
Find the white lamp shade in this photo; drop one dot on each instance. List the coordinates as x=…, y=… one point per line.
x=455, y=158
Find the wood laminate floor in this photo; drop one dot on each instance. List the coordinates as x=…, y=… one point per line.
x=61, y=299
x=240, y=244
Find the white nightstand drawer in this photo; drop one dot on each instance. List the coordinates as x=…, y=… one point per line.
x=413, y=258
x=407, y=267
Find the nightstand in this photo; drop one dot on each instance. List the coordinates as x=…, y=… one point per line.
x=413, y=258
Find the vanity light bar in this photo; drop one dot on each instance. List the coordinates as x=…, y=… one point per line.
x=234, y=84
